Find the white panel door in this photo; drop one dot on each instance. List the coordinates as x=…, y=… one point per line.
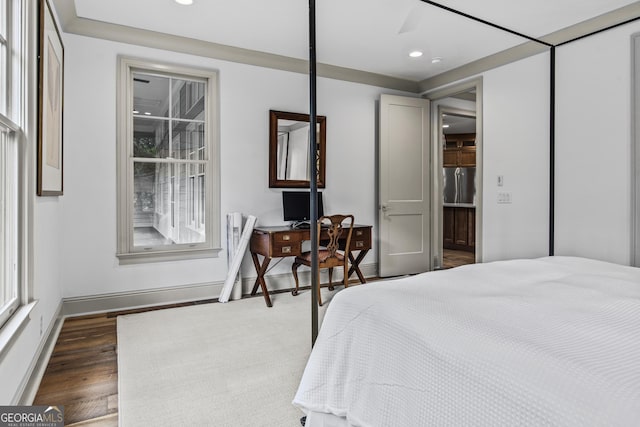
x=404, y=186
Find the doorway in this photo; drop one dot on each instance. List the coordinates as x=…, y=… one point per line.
x=457, y=174
x=457, y=141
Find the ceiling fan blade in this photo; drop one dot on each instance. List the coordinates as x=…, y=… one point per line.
x=412, y=21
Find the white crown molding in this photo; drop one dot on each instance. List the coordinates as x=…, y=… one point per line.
x=482, y=65
x=73, y=24
x=531, y=48
x=600, y=22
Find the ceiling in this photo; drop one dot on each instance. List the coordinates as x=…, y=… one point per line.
x=367, y=35
x=455, y=123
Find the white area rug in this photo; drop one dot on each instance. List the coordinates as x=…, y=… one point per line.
x=233, y=364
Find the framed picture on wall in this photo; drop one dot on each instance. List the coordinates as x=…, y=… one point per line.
x=50, y=87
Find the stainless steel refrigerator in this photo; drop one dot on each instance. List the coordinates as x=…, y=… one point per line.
x=459, y=185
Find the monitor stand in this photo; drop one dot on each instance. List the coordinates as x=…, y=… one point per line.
x=301, y=224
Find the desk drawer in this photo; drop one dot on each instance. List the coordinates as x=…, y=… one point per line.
x=286, y=238
x=284, y=249
x=361, y=239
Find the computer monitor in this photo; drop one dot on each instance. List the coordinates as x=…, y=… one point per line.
x=295, y=205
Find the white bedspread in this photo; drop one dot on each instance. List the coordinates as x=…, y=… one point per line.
x=552, y=341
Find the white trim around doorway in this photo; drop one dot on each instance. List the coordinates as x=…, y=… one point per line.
x=635, y=151
x=437, y=164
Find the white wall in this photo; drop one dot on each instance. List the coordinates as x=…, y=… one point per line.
x=593, y=138
x=247, y=93
x=43, y=245
x=516, y=146
x=17, y=363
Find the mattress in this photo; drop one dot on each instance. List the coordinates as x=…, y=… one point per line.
x=550, y=341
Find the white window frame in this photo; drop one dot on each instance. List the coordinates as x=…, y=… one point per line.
x=17, y=120
x=127, y=253
x=10, y=209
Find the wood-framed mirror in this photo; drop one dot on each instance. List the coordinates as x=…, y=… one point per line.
x=289, y=149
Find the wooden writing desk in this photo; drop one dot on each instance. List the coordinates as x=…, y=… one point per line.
x=284, y=241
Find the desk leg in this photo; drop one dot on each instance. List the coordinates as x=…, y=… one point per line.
x=261, y=270
x=355, y=263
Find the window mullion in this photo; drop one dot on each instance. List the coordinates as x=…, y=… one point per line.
x=170, y=82
x=7, y=124
x=4, y=226
x=168, y=160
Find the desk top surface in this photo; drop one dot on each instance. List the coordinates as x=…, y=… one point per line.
x=285, y=228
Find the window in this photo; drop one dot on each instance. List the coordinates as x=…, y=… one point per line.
x=12, y=161
x=6, y=13
x=9, y=214
x=168, y=177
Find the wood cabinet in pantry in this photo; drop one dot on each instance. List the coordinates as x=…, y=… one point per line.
x=459, y=150
x=459, y=228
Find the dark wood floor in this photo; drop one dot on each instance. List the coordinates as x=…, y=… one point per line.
x=82, y=374
x=452, y=258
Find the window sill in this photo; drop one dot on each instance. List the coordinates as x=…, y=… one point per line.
x=14, y=325
x=148, y=257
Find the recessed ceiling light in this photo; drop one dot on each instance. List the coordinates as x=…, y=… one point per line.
x=184, y=2
x=436, y=60
x=146, y=113
x=415, y=54
x=445, y=126
x=136, y=112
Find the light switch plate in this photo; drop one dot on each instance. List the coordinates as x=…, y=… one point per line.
x=504, y=197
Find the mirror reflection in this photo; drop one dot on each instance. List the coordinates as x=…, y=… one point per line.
x=293, y=149
x=289, y=140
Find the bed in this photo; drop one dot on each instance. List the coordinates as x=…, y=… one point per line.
x=549, y=341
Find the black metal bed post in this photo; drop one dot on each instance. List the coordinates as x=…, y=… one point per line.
x=552, y=149
x=313, y=172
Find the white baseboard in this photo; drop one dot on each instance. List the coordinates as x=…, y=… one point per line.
x=153, y=297
x=78, y=306
x=29, y=388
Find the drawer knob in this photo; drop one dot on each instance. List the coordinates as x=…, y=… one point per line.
x=359, y=232
x=360, y=244
x=286, y=249
x=286, y=237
